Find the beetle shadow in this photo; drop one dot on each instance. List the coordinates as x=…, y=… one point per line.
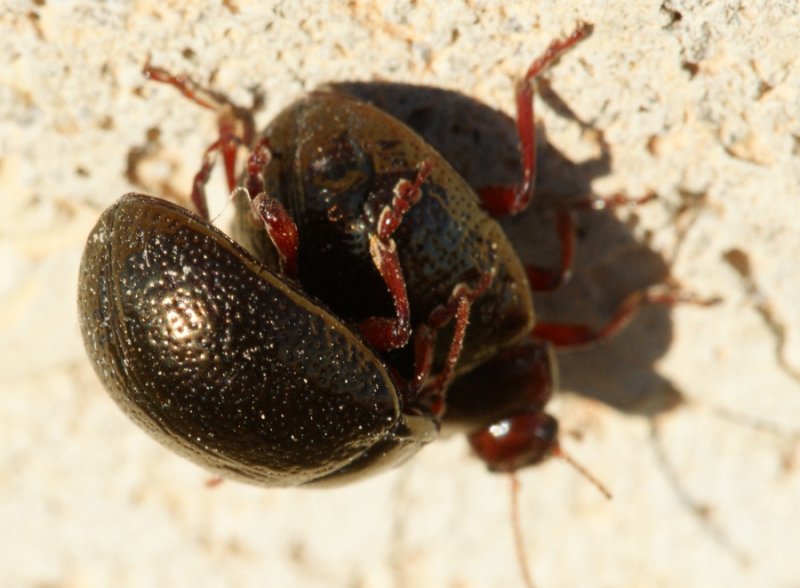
x=481, y=144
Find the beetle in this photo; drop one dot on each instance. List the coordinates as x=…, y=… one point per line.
x=329, y=338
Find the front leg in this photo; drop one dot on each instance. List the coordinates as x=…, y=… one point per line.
x=385, y=333
x=235, y=125
x=500, y=200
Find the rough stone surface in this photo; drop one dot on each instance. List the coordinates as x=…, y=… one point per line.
x=696, y=101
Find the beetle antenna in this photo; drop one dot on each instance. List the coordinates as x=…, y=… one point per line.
x=519, y=539
x=557, y=451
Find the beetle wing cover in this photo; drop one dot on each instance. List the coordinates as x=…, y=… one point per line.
x=220, y=359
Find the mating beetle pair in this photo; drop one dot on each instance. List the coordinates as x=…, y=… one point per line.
x=330, y=339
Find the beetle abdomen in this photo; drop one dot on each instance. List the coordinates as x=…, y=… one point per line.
x=218, y=358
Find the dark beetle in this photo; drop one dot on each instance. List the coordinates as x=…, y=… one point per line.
x=270, y=363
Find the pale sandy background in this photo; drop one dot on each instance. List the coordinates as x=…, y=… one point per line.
x=699, y=104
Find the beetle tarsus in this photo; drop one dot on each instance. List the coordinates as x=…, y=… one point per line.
x=442, y=314
x=406, y=194
x=205, y=97
x=185, y=86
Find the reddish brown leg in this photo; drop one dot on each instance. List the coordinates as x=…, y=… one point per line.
x=260, y=157
x=406, y=194
x=424, y=343
x=458, y=308
x=437, y=390
x=442, y=314
x=227, y=145
x=206, y=98
x=390, y=333
x=548, y=279
x=500, y=200
x=235, y=124
x=281, y=229
x=571, y=335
